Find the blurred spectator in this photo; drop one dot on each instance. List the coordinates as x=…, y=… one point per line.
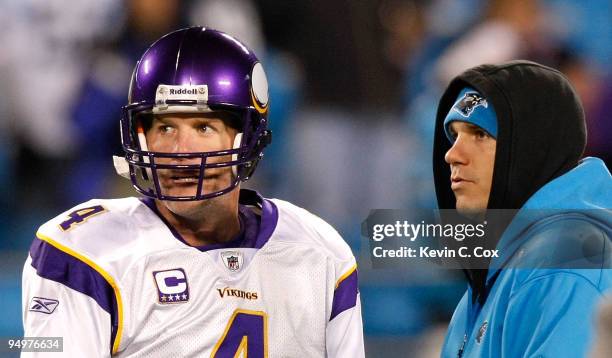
x=585, y=27
x=510, y=29
x=339, y=44
x=596, y=95
x=404, y=26
x=46, y=51
x=103, y=92
x=350, y=96
x=241, y=19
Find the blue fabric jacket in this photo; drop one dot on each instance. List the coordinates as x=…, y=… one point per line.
x=534, y=307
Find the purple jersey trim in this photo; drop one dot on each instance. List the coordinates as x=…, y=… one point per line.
x=53, y=264
x=255, y=230
x=269, y=220
x=345, y=295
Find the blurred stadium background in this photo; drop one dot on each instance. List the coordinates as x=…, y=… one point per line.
x=354, y=89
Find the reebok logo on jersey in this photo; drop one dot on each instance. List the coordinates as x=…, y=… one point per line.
x=43, y=305
x=233, y=260
x=171, y=285
x=234, y=292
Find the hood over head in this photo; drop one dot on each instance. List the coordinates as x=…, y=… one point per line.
x=541, y=135
x=541, y=131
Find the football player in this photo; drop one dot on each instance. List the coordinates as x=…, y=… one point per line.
x=196, y=266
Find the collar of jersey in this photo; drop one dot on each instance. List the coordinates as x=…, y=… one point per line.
x=255, y=230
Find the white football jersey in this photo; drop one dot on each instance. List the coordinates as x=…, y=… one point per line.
x=112, y=278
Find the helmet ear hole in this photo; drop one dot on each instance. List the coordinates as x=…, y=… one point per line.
x=248, y=169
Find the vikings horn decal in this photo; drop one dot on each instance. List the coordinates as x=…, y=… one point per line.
x=259, y=88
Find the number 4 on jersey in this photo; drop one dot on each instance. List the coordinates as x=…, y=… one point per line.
x=246, y=334
x=81, y=215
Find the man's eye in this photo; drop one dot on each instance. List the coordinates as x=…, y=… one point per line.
x=205, y=128
x=165, y=129
x=481, y=134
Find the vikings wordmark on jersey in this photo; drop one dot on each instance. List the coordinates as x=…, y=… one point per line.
x=113, y=279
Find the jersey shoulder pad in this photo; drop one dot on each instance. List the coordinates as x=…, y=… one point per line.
x=93, y=218
x=299, y=226
x=102, y=230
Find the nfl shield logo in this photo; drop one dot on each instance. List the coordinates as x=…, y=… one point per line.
x=232, y=259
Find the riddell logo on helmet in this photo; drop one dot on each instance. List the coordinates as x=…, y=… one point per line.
x=174, y=91
x=198, y=93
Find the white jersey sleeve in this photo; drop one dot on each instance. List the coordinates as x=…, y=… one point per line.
x=67, y=290
x=51, y=309
x=344, y=331
x=344, y=334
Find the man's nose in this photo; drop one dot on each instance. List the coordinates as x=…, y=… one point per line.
x=185, y=142
x=456, y=154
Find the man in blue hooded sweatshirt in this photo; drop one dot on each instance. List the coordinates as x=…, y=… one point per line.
x=512, y=136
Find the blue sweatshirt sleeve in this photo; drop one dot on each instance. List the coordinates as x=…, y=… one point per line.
x=551, y=316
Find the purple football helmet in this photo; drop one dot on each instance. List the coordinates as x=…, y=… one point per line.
x=195, y=70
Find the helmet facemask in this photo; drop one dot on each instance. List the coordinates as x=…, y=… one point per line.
x=194, y=70
x=145, y=166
